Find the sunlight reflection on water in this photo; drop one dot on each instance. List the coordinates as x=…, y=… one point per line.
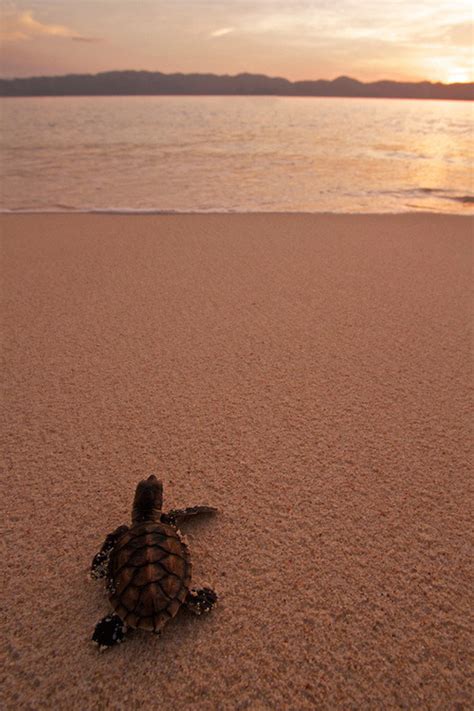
x=236, y=154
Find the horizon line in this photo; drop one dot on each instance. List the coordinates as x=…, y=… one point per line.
x=233, y=76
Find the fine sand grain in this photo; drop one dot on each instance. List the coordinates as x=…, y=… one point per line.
x=309, y=375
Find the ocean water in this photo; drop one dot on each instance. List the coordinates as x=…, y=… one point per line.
x=198, y=154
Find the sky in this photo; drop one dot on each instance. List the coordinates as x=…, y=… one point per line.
x=297, y=39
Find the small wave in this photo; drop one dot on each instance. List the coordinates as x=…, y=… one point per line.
x=440, y=194
x=423, y=193
x=466, y=199
x=63, y=209
x=448, y=195
x=391, y=201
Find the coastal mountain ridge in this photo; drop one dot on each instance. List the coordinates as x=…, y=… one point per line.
x=130, y=82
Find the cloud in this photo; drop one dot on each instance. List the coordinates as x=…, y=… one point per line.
x=80, y=38
x=20, y=26
x=461, y=35
x=447, y=38
x=222, y=31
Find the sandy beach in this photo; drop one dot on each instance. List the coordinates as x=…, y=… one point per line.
x=309, y=375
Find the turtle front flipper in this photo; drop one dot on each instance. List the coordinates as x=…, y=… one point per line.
x=200, y=601
x=100, y=562
x=109, y=632
x=177, y=516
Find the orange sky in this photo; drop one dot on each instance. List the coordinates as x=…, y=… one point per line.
x=298, y=39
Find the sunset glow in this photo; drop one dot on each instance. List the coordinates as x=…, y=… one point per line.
x=305, y=39
x=457, y=75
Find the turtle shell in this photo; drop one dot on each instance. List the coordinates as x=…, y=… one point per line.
x=149, y=575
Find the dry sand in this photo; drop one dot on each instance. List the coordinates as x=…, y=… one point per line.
x=308, y=375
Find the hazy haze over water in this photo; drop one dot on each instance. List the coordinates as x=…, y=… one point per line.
x=235, y=154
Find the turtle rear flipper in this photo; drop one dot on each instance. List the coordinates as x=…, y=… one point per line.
x=109, y=632
x=200, y=601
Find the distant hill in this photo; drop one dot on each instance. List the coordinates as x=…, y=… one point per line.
x=155, y=83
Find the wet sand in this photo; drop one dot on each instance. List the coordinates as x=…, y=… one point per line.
x=308, y=375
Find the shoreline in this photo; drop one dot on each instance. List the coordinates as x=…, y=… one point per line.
x=132, y=212
x=306, y=373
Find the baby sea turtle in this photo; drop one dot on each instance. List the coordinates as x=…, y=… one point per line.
x=147, y=568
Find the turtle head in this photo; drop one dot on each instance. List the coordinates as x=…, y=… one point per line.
x=148, y=500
